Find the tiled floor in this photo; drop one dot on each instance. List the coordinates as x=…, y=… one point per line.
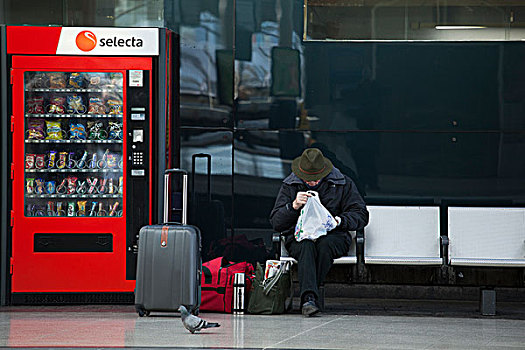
x=119, y=326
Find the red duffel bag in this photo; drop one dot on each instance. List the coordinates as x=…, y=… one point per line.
x=217, y=283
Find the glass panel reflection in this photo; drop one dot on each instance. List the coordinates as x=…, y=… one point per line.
x=114, y=13
x=403, y=86
x=206, y=63
x=414, y=86
x=385, y=166
x=412, y=20
x=210, y=188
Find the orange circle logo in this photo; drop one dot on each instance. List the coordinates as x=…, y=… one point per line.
x=86, y=40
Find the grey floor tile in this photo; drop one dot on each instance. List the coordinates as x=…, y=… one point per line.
x=106, y=326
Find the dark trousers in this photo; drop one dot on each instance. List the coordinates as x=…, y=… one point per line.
x=314, y=259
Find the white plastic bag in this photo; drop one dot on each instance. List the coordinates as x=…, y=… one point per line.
x=314, y=221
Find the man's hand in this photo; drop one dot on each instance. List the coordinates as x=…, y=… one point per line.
x=300, y=200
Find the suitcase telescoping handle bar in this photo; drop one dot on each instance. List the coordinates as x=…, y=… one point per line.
x=208, y=171
x=167, y=174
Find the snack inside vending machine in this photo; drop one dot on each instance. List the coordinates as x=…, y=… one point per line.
x=90, y=141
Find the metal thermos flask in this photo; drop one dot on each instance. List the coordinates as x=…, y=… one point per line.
x=238, y=293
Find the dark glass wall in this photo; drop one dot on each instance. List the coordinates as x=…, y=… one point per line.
x=422, y=119
x=207, y=35
x=413, y=20
x=111, y=13
x=410, y=122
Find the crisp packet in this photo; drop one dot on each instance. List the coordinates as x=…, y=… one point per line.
x=54, y=131
x=76, y=80
x=116, y=80
x=56, y=105
x=77, y=131
x=96, y=80
x=57, y=80
x=40, y=161
x=115, y=131
x=35, y=105
x=272, y=266
x=115, y=106
x=95, y=130
x=35, y=129
x=30, y=160
x=96, y=106
x=75, y=105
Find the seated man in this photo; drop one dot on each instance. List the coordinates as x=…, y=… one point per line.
x=312, y=171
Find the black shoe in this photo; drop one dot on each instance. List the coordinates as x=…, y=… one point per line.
x=310, y=306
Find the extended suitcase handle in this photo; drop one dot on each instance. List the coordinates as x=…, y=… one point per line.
x=167, y=174
x=175, y=170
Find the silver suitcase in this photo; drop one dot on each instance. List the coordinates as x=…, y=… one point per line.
x=169, y=261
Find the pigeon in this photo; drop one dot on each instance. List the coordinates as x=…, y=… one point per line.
x=194, y=323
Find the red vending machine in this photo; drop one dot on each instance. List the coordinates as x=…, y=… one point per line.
x=88, y=126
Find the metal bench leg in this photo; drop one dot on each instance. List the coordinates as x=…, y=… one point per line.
x=321, y=297
x=487, y=302
x=276, y=241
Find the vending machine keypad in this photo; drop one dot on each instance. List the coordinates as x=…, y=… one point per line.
x=138, y=158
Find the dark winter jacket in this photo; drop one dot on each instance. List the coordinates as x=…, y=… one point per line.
x=337, y=193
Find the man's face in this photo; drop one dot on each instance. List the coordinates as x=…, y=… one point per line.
x=313, y=183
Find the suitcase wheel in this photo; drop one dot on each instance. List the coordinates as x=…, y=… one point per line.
x=141, y=311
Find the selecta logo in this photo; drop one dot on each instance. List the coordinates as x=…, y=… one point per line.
x=108, y=41
x=86, y=40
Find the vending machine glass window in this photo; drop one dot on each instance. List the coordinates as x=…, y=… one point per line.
x=73, y=144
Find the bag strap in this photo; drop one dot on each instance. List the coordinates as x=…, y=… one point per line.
x=208, y=277
x=270, y=282
x=289, y=299
x=211, y=268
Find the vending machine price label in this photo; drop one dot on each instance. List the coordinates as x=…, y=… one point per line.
x=136, y=78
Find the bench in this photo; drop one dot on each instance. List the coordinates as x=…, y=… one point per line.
x=412, y=235
x=473, y=241
x=395, y=235
x=283, y=255
x=487, y=237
